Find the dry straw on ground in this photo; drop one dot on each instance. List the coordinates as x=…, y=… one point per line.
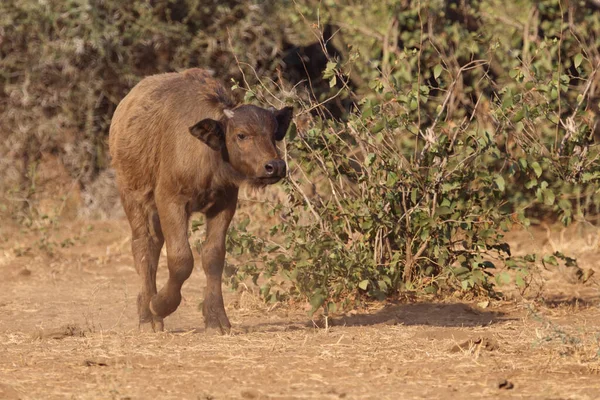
x=68, y=330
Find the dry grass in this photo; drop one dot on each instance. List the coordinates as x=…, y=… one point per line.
x=68, y=330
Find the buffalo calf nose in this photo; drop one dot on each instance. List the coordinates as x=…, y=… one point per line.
x=275, y=168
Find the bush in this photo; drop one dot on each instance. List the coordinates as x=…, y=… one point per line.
x=425, y=130
x=454, y=142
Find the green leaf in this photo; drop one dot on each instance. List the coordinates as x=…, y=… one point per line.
x=329, y=70
x=437, y=70
x=271, y=248
x=378, y=127
x=249, y=96
x=507, y=100
x=519, y=280
x=332, y=81
x=503, y=278
x=550, y=260
x=523, y=163
x=443, y=211
x=370, y=159
x=577, y=60
x=292, y=132
x=392, y=178
x=531, y=183
x=536, y=168
x=590, y=176
x=564, y=204
x=413, y=196
x=331, y=307
x=499, y=182
x=243, y=224
x=548, y=197
x=316, y=301
x=364, y=284
x=460, y=271
x=518, y=116
x=431, y=289
x=367, y=224
x=447, y=187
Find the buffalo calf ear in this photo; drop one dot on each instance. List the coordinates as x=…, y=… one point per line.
x=283, y=117
x=210, y=132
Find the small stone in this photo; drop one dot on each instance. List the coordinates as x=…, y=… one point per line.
x=250, y=394
x=505, y=384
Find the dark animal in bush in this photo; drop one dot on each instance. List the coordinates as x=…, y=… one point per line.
x=180, y=144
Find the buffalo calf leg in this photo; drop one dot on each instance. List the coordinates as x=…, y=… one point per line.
x=146, y=244
x=213, y=261
x=180, y=260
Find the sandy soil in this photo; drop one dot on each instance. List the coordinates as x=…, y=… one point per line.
x=68, y=329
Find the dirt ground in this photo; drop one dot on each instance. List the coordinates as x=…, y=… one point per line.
x=68, y=329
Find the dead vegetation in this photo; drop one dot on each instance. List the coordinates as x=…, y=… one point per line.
x=68, y=328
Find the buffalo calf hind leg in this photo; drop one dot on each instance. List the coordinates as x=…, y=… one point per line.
x=146, y=243
x=213, y=261
x=180, y=260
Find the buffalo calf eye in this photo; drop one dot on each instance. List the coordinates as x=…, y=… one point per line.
x=241, y=136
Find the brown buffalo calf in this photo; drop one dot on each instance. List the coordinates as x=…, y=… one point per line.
x=180, y=144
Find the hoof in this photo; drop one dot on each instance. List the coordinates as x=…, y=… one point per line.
x=212, y=331
x=155, y=324
x=163, y=304
x=217, y=327
x=147, y=321
x=216, y=322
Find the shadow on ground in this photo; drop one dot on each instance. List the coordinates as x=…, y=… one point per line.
x=428, y=314
x=434, y=314
x=571, y=301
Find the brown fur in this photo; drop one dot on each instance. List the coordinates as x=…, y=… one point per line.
x=180, y=144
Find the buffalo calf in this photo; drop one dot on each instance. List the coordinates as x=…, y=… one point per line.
x=181, y=144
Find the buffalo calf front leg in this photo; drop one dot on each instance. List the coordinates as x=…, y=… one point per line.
x=213, y=261
x=180, y=261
